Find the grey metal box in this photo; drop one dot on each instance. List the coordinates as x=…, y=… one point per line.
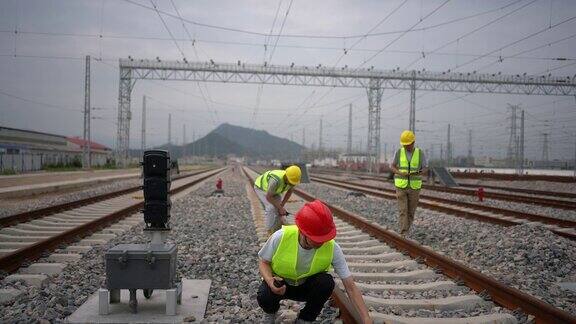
x=141, y=266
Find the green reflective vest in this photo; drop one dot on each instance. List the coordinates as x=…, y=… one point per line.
x=412, y=166
x=262, y=181
x=286, y=256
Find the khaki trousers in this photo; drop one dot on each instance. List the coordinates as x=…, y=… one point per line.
x=407, y=203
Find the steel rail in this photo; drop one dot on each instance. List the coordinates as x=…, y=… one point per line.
x=528, y=191
x=390, y=194
x=45, y=211
x=501, y=294
x=546, y=202
x=12, y=261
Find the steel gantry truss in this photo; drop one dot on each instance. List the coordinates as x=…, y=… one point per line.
x=373, y=80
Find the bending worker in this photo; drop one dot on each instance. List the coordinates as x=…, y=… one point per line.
x=269, y=187
x=408, y=165
x=294, y=264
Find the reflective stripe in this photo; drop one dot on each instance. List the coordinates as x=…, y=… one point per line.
x=262, y=181
x=412, y=166
x=285, y=259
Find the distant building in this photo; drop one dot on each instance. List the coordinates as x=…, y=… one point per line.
x=25, y=150
x=490, y=162
x=100, y=153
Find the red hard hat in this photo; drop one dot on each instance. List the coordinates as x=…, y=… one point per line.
x=315, y=221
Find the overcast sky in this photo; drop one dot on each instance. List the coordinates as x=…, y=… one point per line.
x=42, y=67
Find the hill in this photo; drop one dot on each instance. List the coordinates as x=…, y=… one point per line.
x=241, y=141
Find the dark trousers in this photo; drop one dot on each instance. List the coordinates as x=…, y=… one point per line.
x=314, y=292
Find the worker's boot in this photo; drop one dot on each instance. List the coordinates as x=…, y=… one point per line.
x=269, y=318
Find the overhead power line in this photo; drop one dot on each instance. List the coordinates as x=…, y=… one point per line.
x=311, y=36
x=540, y=31
x=473, y=31
x=36, y=102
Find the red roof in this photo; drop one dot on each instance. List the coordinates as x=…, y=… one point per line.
x=81, y=142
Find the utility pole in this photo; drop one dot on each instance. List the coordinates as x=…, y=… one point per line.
x=385, y=149
x=521, y=153
x=143, y=130
x=510, y=154
x=320, y=136
x=441, y=154
x=169, y=129
x=304, y=137
x=448, y=148
x=349, y=147
x=183, y=140
x=545, y=156
x=412, y=121
x=86, y=152
x=193, y=142
x=470, y=148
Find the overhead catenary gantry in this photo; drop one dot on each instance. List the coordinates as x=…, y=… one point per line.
x=375, y=81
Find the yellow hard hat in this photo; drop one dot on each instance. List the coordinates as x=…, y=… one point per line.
x=407, y=137
x=293, y=174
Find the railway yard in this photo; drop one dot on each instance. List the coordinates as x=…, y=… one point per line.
x=508, y=259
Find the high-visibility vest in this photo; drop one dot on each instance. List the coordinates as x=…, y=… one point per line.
x=412, y=180
x=281, y=187
x=286, y=256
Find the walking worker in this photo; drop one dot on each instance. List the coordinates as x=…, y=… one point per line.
x=269, y=187
x=294, y=264
x=408, y=166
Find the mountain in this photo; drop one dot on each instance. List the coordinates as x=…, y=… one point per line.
x=260, y=143
x=229, y=139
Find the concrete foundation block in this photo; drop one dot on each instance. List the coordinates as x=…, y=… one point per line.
x=90, y=242
x=171, y=296
x=105, y=237
x=103, y=301
x=44, y=268
x=8, y=296
x=391, y=276
x=482, y=319
x=193, y=305
x=64, y=257
x=78, y=248
x=466, y=302
x=14, y=245
x=4, y=252
x=36, y=280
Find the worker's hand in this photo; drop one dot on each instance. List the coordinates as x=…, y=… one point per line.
x=277, y=290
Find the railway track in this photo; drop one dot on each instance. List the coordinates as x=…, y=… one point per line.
x=534, y=200
x=528, y=191
x=29, y=236
x=500, y=216
x=400, y=279
x=42, y=212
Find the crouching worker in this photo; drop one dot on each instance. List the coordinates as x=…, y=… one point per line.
x=269, y=188
x=294, y=264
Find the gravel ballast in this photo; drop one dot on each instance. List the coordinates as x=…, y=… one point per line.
x=526, y=257
x=19, y=205
x=216, y=240
x=516, y=206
